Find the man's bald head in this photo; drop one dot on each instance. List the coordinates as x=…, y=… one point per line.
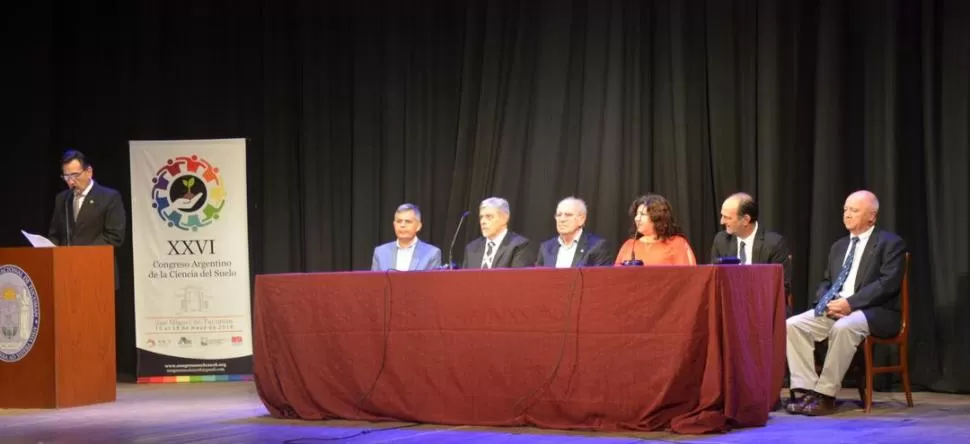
x=860, y=211
x=739, y=213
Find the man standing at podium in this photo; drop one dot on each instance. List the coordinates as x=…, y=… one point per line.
x=86, y=213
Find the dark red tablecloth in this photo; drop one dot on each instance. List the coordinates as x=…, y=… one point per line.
x=689, y=349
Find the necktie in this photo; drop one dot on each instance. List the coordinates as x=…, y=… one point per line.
x=837, y=285
x=743, y=256
x=487, y=260
x=77, y=204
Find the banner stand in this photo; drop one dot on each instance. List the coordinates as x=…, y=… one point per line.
x=190, y=242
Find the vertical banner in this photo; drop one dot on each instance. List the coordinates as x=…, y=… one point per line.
x=190, y=238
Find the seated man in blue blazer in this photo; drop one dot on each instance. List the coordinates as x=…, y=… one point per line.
x=574, y=247
x=407, y=252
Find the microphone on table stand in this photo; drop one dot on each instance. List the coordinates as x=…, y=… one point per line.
x=633, y=261
x=451, y=265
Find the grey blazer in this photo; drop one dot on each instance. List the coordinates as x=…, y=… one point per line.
x=426, y=257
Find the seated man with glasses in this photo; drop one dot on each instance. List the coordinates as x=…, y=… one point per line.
x=574, y=246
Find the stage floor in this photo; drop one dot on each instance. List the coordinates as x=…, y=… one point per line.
x=230, y=412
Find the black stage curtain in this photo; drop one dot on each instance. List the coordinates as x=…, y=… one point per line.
x=352, y=108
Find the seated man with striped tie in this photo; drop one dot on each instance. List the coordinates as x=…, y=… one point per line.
x=498, y=247
x=858, y=296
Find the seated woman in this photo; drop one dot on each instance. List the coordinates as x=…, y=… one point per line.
x=658, y=239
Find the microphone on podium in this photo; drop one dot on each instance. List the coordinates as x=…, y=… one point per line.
x=451, y=265
x=68, y=209
x=633, y=261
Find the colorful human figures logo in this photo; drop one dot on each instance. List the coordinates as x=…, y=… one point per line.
x=188, y=193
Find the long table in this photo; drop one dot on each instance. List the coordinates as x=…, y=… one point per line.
x=693, y=349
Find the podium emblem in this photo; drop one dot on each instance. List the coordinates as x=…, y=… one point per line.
x=19, y=313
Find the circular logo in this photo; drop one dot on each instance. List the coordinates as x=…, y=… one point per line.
x=19, y=313
x=187, y=193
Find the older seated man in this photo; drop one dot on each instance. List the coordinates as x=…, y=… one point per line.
x=574, y=246
x=858, y=296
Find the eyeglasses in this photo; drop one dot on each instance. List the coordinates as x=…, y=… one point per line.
x=70, y=176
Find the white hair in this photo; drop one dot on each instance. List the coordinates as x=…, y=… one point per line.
x=579, y=203
x=870, y=197
x=496, y=202
x=409, y=207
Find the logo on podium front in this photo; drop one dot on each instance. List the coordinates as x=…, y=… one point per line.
x=19, y=313
x=187, y=193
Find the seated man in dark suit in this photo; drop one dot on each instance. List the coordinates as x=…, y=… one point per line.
x=498, y=247
x=743, y=237
x=574, y=247
x=858, y=296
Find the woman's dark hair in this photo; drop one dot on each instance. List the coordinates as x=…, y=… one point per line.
x=660, y=213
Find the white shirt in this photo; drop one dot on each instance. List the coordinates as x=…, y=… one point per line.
x=486, y=259
x=564, y=259
x=83, y=196
x=848, y=287
x=404, y=255
x=748, y=245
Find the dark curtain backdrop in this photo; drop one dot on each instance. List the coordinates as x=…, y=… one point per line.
x=352, y=108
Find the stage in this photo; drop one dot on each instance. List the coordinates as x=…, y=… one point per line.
x=231, y=412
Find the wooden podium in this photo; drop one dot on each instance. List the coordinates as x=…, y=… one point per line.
x=72, y=360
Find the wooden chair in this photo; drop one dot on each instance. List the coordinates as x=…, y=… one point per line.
x=901, y=340
x=862, y=362
x=789, y=311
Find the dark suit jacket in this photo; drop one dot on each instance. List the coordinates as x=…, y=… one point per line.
x=592, y=251
x=877, y=282
x=513, y=252
x=102, y=220
x=769, y=248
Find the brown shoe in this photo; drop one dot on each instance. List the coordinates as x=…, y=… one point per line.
x=798, y=400
x=821, y=405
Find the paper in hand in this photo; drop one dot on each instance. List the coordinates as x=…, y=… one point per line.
x=38, y=240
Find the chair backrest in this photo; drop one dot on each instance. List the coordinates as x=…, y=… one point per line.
x=904, y=295
x=788, y=297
